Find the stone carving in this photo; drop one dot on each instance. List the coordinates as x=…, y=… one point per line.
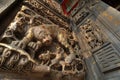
x=33, y=43
x=36, y=38
x=93, y=35
x=79, y=7
x=47, y=13
x=38, y=42
x=24, y=19
x=53, y=4
x=81, y=16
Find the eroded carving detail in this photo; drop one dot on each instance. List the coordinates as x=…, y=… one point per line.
x=33, y=43
x=92, y=34
x=47, y=13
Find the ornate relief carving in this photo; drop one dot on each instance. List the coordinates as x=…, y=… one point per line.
x=92, y=34
x=33, y=43
x=79, y=7
x=80, y=16
x=54, y=5
x=47, y=13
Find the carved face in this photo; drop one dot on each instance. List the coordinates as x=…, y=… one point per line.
x=47, y=39
x=43, y=35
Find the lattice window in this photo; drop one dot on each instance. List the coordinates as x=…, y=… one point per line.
x=107, y=57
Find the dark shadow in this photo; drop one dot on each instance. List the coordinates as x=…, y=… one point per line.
x=113, y=3
x=8, y=15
